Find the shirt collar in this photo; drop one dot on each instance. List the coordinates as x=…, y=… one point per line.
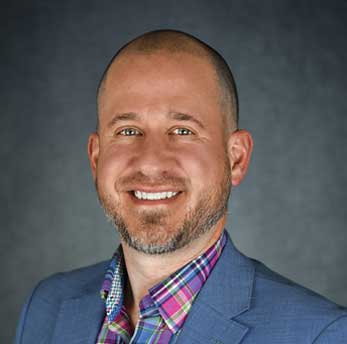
x=173, y=297
x=112, y=290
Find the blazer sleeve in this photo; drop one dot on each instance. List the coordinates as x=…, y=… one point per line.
x=334, y=333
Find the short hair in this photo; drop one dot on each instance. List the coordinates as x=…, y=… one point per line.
x=174, y=41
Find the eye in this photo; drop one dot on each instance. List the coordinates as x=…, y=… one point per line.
x=182, y=131
x=129, y=132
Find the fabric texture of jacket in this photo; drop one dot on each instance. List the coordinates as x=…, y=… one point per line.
x=241, y=302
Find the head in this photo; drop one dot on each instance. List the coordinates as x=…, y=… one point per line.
x=167, y=148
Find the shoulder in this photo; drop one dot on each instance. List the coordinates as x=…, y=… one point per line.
x=293, y=308
x=273, y=308
x=271, y=287
x=40, y=312
x=72, y=283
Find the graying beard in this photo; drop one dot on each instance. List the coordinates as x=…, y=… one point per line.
x=184, y=236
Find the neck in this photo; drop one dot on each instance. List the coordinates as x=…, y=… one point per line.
x=145, y=270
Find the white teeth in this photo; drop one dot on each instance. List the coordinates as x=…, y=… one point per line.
x=154, y=195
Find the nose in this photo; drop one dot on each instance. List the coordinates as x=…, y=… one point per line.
x=154, y=158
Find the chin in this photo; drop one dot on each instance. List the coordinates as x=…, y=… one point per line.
x=152, y=238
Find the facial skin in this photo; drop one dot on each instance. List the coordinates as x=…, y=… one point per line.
x=161, y=130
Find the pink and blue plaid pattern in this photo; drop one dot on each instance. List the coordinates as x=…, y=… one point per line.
x=164, y=309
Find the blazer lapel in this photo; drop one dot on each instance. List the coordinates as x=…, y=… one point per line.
x=79, y=319
x=226, y=294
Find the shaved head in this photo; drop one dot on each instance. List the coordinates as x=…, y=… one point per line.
x=167, y=110
x=177, y=42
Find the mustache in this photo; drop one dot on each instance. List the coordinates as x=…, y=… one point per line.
x=137, y=178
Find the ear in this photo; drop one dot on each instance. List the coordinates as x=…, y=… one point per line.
x=93, y=152
x=240, y=146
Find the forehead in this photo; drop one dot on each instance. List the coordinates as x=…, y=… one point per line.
x=136, y=81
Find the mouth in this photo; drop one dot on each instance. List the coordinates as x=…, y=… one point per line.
x=154, y=198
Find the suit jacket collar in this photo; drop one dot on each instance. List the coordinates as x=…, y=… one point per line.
x=226, y=294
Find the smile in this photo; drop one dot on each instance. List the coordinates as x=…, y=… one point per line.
x=154, y=195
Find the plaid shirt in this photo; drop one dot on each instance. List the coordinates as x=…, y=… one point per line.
x=163, y=310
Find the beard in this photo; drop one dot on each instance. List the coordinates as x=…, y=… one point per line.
x=151, y=232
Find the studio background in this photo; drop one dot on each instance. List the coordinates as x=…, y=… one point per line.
x=289, y=61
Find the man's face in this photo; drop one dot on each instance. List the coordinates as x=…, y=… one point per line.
x=162, y=171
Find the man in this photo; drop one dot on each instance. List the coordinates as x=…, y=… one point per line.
x=164, y=158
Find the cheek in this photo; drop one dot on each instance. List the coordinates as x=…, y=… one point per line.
x=204, y=167
x=110, y=166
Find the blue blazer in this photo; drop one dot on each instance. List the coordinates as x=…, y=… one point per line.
x=241, y=302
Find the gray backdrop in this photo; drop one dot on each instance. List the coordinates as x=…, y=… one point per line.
x=289, y=60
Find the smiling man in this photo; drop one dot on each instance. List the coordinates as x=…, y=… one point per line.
x=166, y=153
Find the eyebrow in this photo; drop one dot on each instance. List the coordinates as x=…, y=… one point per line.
x=185, y=117
x=132, y=116
x=128, y=116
